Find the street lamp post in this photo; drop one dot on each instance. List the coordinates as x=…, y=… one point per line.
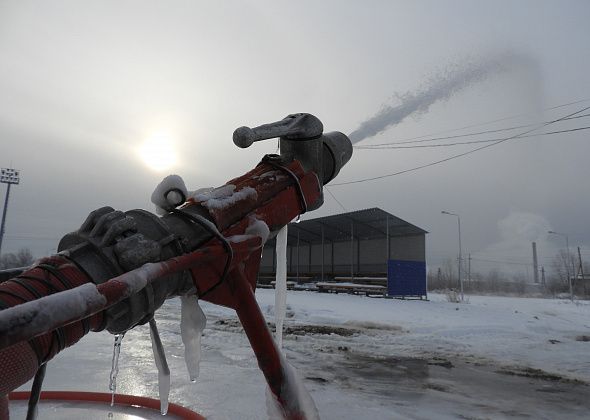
x=569, y=260
x=460, y=257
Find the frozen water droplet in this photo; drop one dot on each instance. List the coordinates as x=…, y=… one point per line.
x=115, y=366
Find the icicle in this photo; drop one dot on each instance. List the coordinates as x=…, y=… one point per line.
x=192, y=324
x=162, y=365
x=115, y=366
x=281, y=284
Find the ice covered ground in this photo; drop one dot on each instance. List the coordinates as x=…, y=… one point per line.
x=495, y=357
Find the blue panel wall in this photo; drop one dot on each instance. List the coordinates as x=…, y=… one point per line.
x=406, y=278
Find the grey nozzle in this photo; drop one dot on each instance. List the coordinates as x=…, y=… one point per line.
x=337, y=152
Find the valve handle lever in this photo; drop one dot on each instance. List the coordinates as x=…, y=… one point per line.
x=301, y=126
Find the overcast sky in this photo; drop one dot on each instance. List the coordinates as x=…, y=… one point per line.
x=85, y=84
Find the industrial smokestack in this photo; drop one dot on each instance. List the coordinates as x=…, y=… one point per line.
x=535, y=263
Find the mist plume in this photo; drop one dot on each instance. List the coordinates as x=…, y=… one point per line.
x=439, y=88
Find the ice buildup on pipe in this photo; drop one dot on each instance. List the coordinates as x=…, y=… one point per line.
x=169, y=193
x=162, y=365
x=192, y=324
x=115, y=366
x=281, y=285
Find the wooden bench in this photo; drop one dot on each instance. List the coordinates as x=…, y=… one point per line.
x=352, y=288
x=377, y=281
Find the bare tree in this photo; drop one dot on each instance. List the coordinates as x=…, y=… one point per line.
x=22, y=258
x=562, y=266
x=443, y=277
x=448, y=273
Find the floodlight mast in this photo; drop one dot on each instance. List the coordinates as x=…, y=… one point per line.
x=460, y=256
x=8, y=176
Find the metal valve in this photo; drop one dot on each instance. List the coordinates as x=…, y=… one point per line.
x=301, y=138
x=295, y=127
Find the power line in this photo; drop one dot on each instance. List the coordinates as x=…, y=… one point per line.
x=25, y=237
x=459, y=143
x=496, y=120
x=460, y=154
x=380, y=145
x=334, y=197
x=500, y=262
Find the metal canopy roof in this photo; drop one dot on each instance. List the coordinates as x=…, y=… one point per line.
x=367, y=224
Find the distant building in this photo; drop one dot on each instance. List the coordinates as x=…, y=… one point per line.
x=347, y=246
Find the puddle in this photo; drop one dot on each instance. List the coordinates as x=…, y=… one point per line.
x=528, y=372
x=469, y=391
x=229, y=324
x=320, y=329
x=349, y=358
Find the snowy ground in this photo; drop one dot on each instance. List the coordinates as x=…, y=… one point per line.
x=360, y=357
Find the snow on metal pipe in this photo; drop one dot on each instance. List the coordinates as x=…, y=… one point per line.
x=30, y=319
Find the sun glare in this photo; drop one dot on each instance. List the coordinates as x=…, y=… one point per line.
x=158, y=152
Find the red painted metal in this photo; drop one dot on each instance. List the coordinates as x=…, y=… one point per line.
x=277, y=202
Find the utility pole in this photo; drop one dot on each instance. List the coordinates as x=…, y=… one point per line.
x=7, y=176
x=460, y=258
x=543, y=275
x=469, y=269
x=535, y=264
x=582, y=271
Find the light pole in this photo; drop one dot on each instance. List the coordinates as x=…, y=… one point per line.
x=9, y=177
x=460, y=257
x=567, y=269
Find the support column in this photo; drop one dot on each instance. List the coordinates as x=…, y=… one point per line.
x=358, y=255
x=297, y=255
x=351, y=251
x=322, y=253
x=309, y=259
x=387, y=236
x=332, y=258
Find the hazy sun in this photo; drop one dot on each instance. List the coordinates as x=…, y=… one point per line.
x=158, y=152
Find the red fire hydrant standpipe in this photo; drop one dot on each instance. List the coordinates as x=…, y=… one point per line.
x=107, y=275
